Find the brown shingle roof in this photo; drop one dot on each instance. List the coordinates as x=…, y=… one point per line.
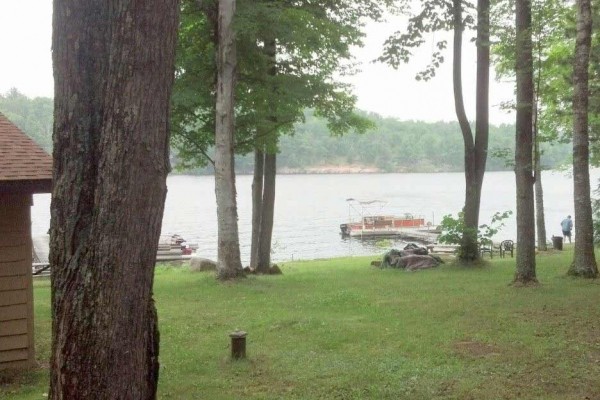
x=21, y=159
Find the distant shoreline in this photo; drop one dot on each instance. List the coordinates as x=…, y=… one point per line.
x=339, y=170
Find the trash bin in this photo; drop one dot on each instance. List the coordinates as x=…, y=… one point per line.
x=557, y=242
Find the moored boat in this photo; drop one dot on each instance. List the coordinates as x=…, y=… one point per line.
x=173, y=248
x=383, y=225
x=406, y=225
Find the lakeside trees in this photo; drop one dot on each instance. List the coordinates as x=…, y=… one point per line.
x=584, y=260
x=288, y=55
x=435, y=15
x=110, y=147
x=551, y=24
x=229, y=264
x=525, y=258
x=113, y=68
x=264, y=48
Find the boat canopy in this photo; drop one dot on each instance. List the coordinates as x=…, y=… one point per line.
x=366, y=202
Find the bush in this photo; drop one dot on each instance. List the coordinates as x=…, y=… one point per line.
x=453, y=228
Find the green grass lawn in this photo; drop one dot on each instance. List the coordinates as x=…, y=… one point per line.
x=341, y=329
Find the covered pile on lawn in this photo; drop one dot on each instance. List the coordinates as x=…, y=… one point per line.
x=411, y=258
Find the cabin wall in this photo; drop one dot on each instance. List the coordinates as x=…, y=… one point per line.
x=16, y=291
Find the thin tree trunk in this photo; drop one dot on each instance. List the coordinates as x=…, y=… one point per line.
x=266, y=222
x=113, y=70
x=540, y=219
x=475, y=148
x=257, y=204
x=229, y=264
x=482, y=110
x=584, y=260
x=469, y=250
x=525, y=259
x=270, y=170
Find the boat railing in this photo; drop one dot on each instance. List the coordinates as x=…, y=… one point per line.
x=40, y=269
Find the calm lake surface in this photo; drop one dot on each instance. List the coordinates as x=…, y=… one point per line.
x=310, y=208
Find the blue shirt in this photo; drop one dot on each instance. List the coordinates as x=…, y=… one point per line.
x=567, y=224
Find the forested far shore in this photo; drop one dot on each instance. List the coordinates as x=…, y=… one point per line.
x=390, y=146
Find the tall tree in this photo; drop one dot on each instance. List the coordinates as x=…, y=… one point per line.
x=549, y=27
x=584, y=260
x=288, y=55
x=525, y=259
x=438, y=15
x=538, y=189
x=229, y=263
x=263, y=202
x=113, y=71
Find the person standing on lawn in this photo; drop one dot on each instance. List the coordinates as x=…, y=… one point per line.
x=567, y=227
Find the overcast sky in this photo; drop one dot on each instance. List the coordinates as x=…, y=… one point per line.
x=25, y=42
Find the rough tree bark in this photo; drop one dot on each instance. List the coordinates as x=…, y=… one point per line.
x=113, y=70
x=525, y=258
x=257, y=200
x=229, y=265
x=475, y=148
x=584, y=260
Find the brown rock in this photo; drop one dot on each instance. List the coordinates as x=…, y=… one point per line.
x=199, y=264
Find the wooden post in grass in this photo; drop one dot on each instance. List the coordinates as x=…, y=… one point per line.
x=238, y=344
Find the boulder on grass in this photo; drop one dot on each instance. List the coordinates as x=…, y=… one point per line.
x=199, y=264
x=275, y=270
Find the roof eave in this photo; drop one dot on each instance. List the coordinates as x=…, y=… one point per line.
x=26, y=186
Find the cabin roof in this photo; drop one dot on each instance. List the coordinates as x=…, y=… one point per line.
x=24, y=165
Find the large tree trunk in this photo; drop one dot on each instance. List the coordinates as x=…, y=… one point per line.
x=229, y=264
x=268, y=210
x=113, y=70
x=525, y=259
x=257, y=201
x=584, y=261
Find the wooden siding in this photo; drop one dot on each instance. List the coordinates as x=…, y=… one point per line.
x=16, y=292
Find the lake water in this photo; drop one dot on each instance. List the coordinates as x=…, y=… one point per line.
x=310, y=208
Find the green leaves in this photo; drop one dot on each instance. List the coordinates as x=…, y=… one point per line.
x=433, y=16
x=288, y=55
x=453, y=228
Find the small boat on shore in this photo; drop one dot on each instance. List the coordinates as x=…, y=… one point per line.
x=174, y=248
x=367, y=225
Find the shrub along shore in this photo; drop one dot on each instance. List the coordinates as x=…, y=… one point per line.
x=341, y=329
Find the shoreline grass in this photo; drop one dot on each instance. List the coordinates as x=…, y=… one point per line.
x=341, y=329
